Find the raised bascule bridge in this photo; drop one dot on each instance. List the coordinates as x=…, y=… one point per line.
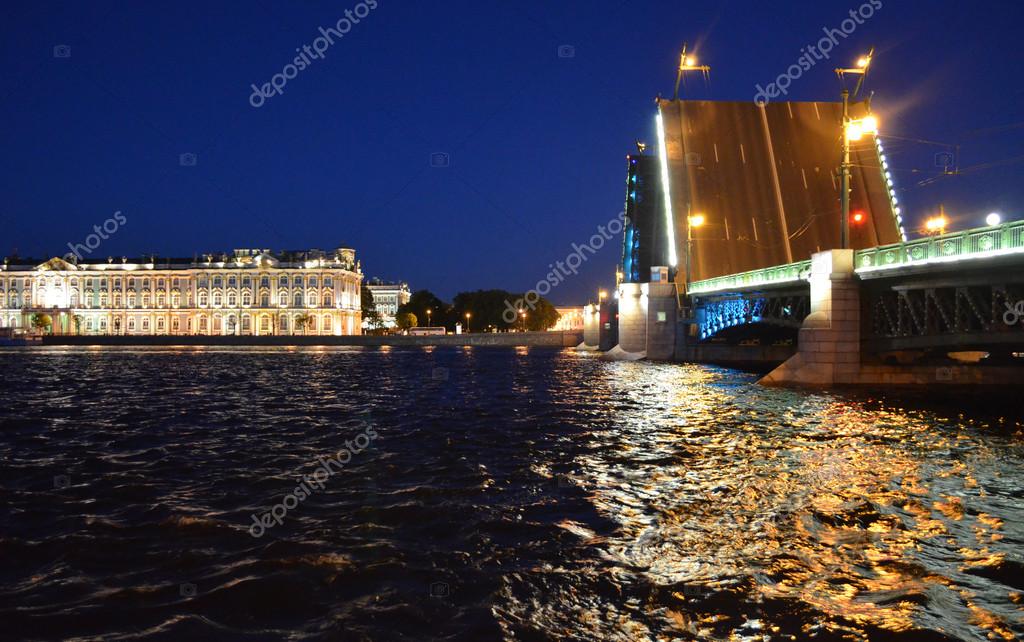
x=730, y=255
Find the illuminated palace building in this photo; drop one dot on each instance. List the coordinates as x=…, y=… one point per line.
x=251, y=292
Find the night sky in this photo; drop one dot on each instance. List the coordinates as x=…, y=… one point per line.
x=104, y=102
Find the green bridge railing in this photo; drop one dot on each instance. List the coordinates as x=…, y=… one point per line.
x=753, y=278
x=982, y=242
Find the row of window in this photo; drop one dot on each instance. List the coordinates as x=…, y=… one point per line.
x=204, y=324
x=231, y=300
x=161, y=283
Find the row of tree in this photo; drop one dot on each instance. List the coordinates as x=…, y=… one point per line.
x=478, y=311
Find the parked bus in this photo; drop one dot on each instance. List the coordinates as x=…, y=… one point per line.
x=426, y=330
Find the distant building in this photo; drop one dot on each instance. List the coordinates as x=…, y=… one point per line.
x=570, y=319
x=386, y=299
x=250, y=292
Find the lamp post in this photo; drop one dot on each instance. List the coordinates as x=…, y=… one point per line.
x=428, y=316
x=523, y=315
x=853, y=130
x=467, y=322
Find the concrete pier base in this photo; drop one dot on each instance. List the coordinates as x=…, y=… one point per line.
x=647, y=319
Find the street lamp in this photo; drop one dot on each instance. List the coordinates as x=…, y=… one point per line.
x=936, y=225
x=692, y=222
x=428, y=316
x=467, y=322
x=522, y=313
x=993, y=219
x=853, y=130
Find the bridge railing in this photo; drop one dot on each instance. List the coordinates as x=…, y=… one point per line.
x=765, y=276
x=980, y=242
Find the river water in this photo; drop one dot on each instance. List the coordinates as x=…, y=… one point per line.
x=480, y=494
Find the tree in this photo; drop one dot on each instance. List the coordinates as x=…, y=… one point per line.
x=304, y=321
x=370, y=314
x=78, y=318
x=542, y=316
x=41, y=322
x=423, y=300
x=406, y=320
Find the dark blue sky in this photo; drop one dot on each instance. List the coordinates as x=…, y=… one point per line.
x=536, y=141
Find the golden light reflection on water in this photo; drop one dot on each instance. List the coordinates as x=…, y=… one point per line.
x=859, y=519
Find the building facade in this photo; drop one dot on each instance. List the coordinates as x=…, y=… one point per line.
x=250, y=292
x=570, y=318
x=386, y=299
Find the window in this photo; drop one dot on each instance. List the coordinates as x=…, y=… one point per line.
x=145, y=300
x=131, y=283
x=328, y=282
x=312, y=300
x=327, y=323
x=202, y=299
x=283, y=299
x=232, y=300
x=131, y=300
x=282, y=282
x=175, y=324
x=145, y=325
x=145, y=284
x=217, y=282
x=176, y=283
x=297, y=281
x=232, y=282
x=160, y=325
x=175, y=300
x=265, y=282
x=246, y=323
x=160, y=300
x=246, y=282
x=312, y=281
x=202, y=323
x=298, y=300
x=103, y=325
x=264, y=300
x=131, y=323
x=265, y=324
x=216, y=299
x=246, y=299
x=161, y=284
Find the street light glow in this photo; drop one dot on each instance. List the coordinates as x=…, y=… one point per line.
x=936, y=224
x=697, y=220
x=993, y=219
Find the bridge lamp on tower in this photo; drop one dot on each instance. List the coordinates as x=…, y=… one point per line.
x=853, y=130
x=993, y=219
